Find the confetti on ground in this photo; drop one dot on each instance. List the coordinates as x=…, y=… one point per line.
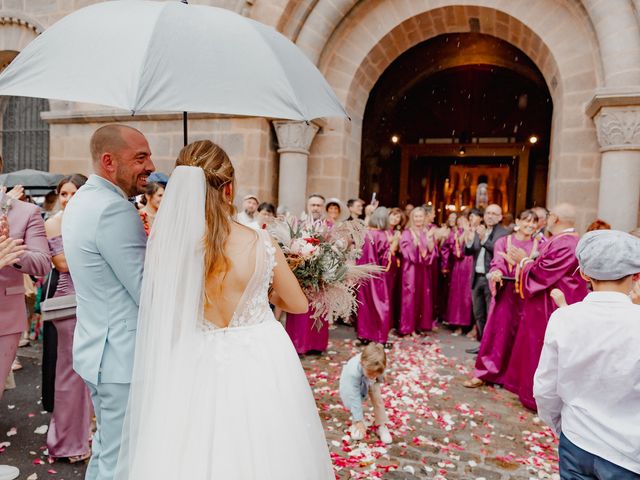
x=440, y=429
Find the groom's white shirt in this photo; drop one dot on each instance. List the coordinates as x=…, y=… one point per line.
x=104, y=243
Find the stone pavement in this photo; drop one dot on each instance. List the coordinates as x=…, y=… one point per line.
x=441, y=430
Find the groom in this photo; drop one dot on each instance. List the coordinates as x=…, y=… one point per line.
x=105, y=247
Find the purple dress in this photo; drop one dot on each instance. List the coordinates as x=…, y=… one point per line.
x=556, y=267
x=459, y=309
x=494, y=358
x=393, y=276
x=418, y=262
x=444, y=277
x=70, y=426
x=374, y=311
x=304, y=335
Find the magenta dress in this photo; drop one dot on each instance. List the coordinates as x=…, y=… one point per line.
x=459, y=308
x=418, y=262
x=494, y=358
x=556, y=267
x=444, y=278
x=374, y=311
x=304, y=335
x=70, y=425
x=394, y=285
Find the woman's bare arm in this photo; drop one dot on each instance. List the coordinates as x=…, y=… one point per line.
x=287, y=293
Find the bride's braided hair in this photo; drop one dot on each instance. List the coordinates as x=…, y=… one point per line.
x=219, y=208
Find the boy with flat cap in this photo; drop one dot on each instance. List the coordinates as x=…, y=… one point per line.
x=587, y=385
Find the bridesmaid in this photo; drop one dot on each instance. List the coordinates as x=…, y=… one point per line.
x=305, y=335
x=419, y=253
x=493, y=363
x=397, y=222
x=68, y=435
x=444, y=277
x=374, y=312
x=460, y=266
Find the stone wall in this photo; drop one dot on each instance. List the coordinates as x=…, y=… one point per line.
x=581, y=47
x=247, y=141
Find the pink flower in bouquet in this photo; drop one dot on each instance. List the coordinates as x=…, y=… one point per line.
x=5, y=206
x=302, y=247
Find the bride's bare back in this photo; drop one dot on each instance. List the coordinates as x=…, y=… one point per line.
x=225, y=291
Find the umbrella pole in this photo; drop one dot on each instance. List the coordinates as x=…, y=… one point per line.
x=184, y=126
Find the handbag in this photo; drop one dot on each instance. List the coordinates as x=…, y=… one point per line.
x=58, y=308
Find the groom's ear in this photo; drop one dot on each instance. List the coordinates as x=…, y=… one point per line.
x=107, y=162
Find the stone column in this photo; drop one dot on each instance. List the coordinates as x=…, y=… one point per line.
x=618, y=130
x=294, y=140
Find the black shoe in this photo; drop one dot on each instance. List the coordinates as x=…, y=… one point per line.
x=473, y=351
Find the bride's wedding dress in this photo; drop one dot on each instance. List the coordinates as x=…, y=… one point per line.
x=210, y=403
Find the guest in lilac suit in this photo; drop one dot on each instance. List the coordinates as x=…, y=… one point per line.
x=397, y=222
x=374, y=311
x=23, y=222
x=555, y=267
x=493, y=361
x=419, y=254
x=68, y=435
x=305, y=336
x=460, y=268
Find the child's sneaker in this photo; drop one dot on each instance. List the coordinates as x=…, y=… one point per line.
x=384, y=434
x=355, y=433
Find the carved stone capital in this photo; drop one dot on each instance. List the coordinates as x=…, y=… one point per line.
x=294, y=137
x=618, y=128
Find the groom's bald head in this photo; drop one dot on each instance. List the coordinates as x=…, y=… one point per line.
x=109, y=139
x=121, y=154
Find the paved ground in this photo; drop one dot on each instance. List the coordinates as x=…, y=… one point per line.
x=441, y=430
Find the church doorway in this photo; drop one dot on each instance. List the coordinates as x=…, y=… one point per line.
x=458, y=121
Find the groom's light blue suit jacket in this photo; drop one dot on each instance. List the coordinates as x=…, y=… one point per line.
x=104, y=244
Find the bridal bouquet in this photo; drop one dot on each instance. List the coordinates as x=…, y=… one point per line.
x=5, y=206
x=323, y=259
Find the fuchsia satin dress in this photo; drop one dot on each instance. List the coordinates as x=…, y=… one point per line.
x=418, y=264
x=374, y=311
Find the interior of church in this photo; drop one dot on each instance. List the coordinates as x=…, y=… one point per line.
x=458, y=121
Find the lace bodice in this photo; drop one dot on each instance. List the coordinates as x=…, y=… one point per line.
x=253, y=307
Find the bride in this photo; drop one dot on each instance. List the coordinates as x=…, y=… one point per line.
x=218, y=391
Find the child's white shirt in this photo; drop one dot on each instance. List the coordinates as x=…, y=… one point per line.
x=588, y=380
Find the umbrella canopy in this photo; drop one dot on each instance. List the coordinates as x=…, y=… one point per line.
x=32, y=180
x=147, y=56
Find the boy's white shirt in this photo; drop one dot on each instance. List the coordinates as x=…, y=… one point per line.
x=587, y=384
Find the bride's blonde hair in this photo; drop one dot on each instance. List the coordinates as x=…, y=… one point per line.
x=219, y=209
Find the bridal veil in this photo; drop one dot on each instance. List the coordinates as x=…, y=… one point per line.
x=167, y=344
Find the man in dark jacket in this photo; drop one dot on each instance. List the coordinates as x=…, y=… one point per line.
x=479, y=243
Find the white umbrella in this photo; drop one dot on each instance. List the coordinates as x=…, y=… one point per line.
x=147, y=56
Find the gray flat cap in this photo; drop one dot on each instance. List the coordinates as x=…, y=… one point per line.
x=608, y=254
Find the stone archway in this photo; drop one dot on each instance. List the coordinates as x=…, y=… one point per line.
x=371, y=36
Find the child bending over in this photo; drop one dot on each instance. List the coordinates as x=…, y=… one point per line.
x=361, y=377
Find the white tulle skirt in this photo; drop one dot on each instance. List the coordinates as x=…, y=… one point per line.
x=251, y=415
